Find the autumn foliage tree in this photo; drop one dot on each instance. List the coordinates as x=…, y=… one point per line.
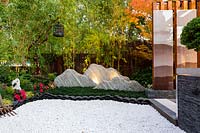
x=140, y=18
x=139, y=35
x=140, y=13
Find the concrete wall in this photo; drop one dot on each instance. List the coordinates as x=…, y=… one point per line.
x=189, y=103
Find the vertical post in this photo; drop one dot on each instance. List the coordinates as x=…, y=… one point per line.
x=178, y=5
x=198, y=14
x=165, y=5
x=159, y=5
x=185, y=5
x=174, y=6
x=169, y=5
x=154, y=6
x=162, y=5
x=1, y=101
x=193, y=4
x=198, y=8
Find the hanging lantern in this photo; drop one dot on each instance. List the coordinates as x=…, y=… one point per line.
x=58, y=30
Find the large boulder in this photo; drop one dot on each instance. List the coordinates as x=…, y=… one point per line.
x=71, y=78
x=119, y=83
x=109, y=78
x=98, y=73
x=98, y=77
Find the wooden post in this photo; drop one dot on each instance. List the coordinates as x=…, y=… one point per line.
x=178, y=5
x=198, y=14
x=159, y=5
x=1, y=101
x=198, y=8
x=198, y=59
x=185, y=5
x=165, y=4
x=153, y=8
x=174, y=6
x=193, y=4
x=169, y=5
x=162, y=5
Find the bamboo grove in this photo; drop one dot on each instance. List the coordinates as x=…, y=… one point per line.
x=103, y=30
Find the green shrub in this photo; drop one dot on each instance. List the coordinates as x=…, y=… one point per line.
x=45, y=79
x=29, y=94
x=2, y=92
x=9, y=90
x=51, y=76
x=144, y=76
x=25, y=81
x=25, y=75
x=7, y=101
x=190, y=35
x=7, y=93
x=26, y=84
x=7, y=74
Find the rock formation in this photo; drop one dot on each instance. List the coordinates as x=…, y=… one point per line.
x=119, y=83
x=98, y=73
x=70, y=78
x=98, y=77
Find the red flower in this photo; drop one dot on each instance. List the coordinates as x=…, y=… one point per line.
x=34, y=87
x=17, y=97
x=23, y=94
x=41, y=90
x=20, y=96
x=41, y=85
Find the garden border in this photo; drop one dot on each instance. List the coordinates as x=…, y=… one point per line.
x=143, y=101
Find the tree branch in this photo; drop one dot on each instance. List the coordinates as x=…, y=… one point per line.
x=39, y=38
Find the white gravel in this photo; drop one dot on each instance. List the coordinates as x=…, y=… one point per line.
x=66, y=116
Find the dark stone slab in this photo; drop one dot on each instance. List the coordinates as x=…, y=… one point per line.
x=189, y=103
x=168, y=94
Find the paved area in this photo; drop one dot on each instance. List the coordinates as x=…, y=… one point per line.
x=167, y=108
x=168, y=103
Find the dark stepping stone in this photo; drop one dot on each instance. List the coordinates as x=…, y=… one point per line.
x=79, y=98
x=133, y=100
x=92, y=97
x=72, y=98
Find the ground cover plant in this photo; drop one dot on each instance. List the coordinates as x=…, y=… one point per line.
x=79, y=91
x=30, y=83
x=7, y=93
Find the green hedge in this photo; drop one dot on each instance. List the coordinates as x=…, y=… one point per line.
x=144, y=76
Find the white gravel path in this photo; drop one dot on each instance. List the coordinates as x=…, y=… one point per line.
x=66, y=116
